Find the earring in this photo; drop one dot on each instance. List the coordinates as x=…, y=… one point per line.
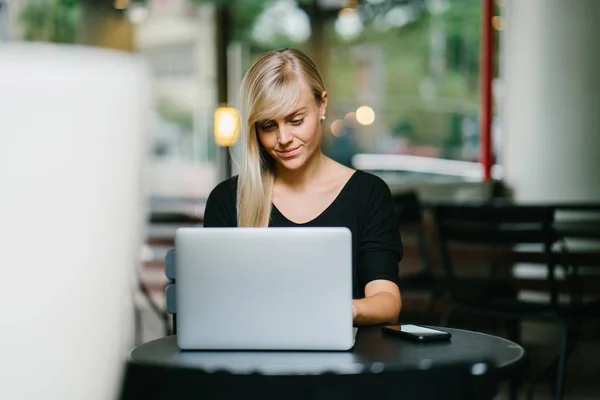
x=323, y=117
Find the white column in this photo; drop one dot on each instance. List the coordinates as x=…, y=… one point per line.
x=551, y=99
x=73, y=128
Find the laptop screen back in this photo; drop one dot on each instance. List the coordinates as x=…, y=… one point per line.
x=264, y=288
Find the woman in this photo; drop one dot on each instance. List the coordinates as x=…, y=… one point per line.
x=286, y=181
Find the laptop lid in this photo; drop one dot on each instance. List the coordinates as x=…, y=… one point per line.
x=264, y=288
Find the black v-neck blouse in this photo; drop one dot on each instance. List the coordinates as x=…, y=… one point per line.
x=364, y=206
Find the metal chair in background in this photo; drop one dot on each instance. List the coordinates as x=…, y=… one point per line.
x=499, y=229
x=171, y=307
x=409, y=216
x=160, y=241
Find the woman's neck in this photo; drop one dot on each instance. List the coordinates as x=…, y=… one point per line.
x=302, y=177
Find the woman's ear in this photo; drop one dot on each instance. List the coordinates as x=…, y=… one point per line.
x=323, y=105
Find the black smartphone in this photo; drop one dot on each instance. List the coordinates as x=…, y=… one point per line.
x=416, y=333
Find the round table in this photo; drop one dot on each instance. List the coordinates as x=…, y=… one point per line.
x=374, y=354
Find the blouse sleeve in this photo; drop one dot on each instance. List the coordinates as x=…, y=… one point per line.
x=380, y=247
x=220, y=206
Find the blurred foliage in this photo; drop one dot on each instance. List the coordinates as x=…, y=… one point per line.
x=176, y=115
x=51, y=20
x=243, y=13
x=406, y=70
x=406, y=54
x=463, y=30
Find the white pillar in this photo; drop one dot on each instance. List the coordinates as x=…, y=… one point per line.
x=73, y=127
x=551, y=99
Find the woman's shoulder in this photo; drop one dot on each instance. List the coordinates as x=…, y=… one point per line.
x=226, y=189
x=220, y=205
x=367, y=182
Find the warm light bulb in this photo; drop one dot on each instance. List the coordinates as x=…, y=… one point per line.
x=226, y=126
x=497, y=22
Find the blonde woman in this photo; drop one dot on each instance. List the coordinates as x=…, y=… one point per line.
x=286, y=181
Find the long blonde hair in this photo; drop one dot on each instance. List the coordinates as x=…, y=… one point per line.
x=270, y=88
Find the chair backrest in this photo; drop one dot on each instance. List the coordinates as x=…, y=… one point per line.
x=494, y=225
x=408, y=212
x=171, y=305
x=407, y=209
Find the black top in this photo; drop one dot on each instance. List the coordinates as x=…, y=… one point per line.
x=364, y=206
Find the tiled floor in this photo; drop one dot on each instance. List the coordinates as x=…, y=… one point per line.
x=583, y=381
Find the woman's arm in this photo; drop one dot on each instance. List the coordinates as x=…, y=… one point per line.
x=381, y=304
x=380, y=251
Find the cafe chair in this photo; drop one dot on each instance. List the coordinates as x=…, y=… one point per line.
x=408, y=212
x=161, y=314
x=170, y=288
x=494, y=228
x=163, y=223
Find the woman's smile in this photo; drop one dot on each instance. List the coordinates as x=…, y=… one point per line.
x=288, y=153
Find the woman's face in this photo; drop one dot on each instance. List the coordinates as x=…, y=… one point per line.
x=293, y=139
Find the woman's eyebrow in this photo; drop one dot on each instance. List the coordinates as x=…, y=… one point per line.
x=293, y=113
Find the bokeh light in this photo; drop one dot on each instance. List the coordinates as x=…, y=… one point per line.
x=350, y=119
x=282, y=18
x=137, y=13
x=337, y=128
x=497, y=22
x=365, y=115
x=348, y=24
x=226, y=123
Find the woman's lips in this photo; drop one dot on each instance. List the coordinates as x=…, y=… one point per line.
x=288, y=153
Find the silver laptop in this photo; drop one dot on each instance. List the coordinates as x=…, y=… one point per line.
x=264, y=288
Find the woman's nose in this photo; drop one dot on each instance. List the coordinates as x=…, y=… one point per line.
x=284, y=136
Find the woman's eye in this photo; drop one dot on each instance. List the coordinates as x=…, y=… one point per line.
x=268, y=128
x=297, y=121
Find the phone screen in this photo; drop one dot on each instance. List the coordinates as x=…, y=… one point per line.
x=420, y=330
x=417, y=332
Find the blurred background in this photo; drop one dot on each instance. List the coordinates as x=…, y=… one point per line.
x=403, y=76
